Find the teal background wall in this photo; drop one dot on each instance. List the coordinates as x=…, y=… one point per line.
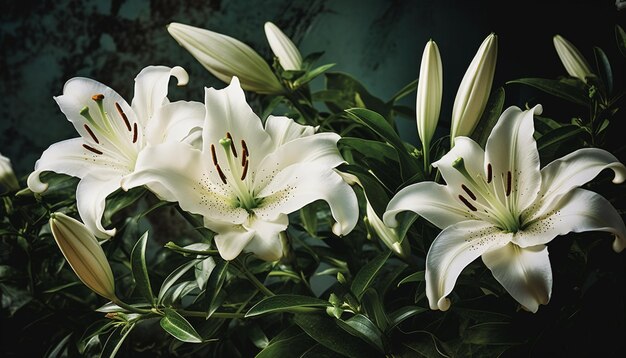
x=45, y=43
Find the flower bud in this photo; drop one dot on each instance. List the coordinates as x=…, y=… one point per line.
x=474, y=89
x=226, y=57
x=574, y=62
x=287, y=53
x=84, y=254
x=8, y=181
x=387, y=235
x=429, y=92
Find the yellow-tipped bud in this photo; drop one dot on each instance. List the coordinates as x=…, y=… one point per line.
x=573, y=61
x=84, y=254
x=429, y=92
x=8, y=181
x=226, y=57
x=284, y=49
x=474, y=89
x=387, y=235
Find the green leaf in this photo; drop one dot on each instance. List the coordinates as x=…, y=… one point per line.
x=490, y=117
x=620, y=36
x=405, y=91
x=174, y=276
x=380, y=151
x=176, y=325
x=310, y=75
x=426, y=344
x=562, y=89
x=374, y=121
x=376, y=194
x=140, y=269
x=558, y=135
x=367, y=273
x=214, y=285
x=373, y=307
x=604, y=69
x=404, y=313
x=492, y=333
x=115, y=341
x=121, y=200
x=362, y=327
x=419, y=276
x=286, y=303
x=308, y=216
x=289, y=343
x=352, y=89
x=324, y=330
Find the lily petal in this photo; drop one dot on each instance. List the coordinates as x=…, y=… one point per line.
x=453, y=249
x=178, y=172
x=473, y=158
x=511, y=148
x=174, y=122
x=282, y=46
x=228, y=112
x=301, y=184
x=266, y=243
x=230, y=243
x=430, y=200
x=573, y=170
x=91, y=194
x=524, y=272
x=579, y=211
x=284, y=129
x=151, y=89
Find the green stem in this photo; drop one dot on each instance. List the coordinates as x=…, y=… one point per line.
x=295, y=101
x=242, y=267
x=426, y=156
x=130, y=308
x=214, y=315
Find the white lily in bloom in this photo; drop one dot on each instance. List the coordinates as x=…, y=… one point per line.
x=8, y=181
x=473, y=93
x=84, y=254
x=112, y=133
x=573, y=61
x=282, y=46
x=247, y=178
x=499, y=205
x=226, y=57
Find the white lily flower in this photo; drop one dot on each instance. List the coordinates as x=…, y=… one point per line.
x=84, y=254
x=112, y=133
x=573, y=61
x=499, y=205
x=247, y=178
x=8, y=181
x=284, y=49
x=473, y=93
x=226, y=57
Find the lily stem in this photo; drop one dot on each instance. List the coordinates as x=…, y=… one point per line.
x=250, y=276
x=131, y=308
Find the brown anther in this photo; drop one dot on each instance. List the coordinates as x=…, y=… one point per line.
x=93, y=136
x=97, y=97
x=468, y=191
x=135, y=132
x=232, y=144
x=467, y=203
x=123, y=115
x=91, y=149
x=245, y=148
x=111, y=315
x=244, y=157
x=508, y=183
x=221, y=173
x=489, y=173
x=245, y=171
x=213, y=155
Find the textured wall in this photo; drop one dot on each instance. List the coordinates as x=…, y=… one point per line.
x=44, y=43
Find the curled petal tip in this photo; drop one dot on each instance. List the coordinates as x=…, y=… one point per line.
x=181, y=75
x=443, y=304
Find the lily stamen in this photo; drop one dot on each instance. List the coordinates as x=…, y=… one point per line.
x=245, y=171
x=91, y=149
x=123, y=115
x=489, y=173
x=508, y=183
x=93, y=136
x=467, y=203
x=468, y=191
x=135, y=133
x=232, y=144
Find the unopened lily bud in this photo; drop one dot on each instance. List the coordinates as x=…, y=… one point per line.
x=284, y=49
x=8, y=181
x=429, y=92
x=474, y=89
x=389, y=236
x=573, y=61
x=226, y=57
x=84, y=254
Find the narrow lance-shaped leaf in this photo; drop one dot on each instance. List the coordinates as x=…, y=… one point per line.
x=557, y=88
x=286, y=303
x=115, y=341
x=174, y=276
x=604, y=69
x=558, y=135
x=362, y=327
x=620, y=36
x=367, y=273
x=140, y=269
x=176, y=325
x=214, y=285
x=490, y=117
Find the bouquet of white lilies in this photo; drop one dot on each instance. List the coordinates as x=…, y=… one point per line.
x=311, y=228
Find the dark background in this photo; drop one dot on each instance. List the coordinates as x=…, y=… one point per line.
x=45, y=43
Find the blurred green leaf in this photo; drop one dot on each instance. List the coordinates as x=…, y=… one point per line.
x=352, y=89
x=176, y=325
x=367, y=273
x=324, y=330
x=604, y=69
x=362, y=327
x=289, y=343
x=426, y=344
x=286, y=303
x=115, y=341
x=564, y=89
x=558, y=135
x=404, y=91
x=492, y=333
x=490, y=116
x=620, y=37
x=140, y=269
